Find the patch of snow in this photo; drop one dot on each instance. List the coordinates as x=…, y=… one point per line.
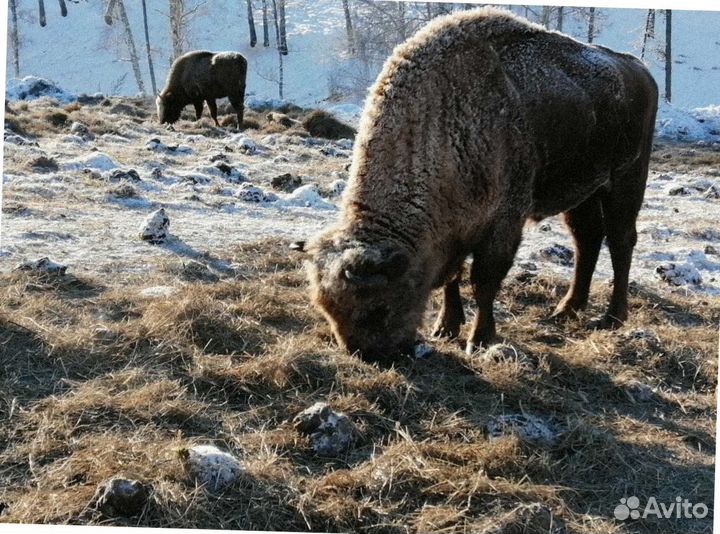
x=528, y=427
x=32, y=87
x=96, y=160
x=307, y=196
x=679, y=274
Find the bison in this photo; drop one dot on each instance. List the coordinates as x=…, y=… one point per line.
x=479, y=122
x=203, y=76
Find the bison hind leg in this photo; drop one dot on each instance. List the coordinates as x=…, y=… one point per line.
x=239, y=105
x=451, y=315
x=586, y=225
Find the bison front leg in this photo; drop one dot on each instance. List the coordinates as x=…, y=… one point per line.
x=198, y=104
x=492, y=260
x=586, y=225
x=451, y=314
x=213, y=110
x=238, y=102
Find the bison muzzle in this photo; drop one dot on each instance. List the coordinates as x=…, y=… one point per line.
x=476, y=124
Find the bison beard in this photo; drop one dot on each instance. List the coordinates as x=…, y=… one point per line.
x=477, y=123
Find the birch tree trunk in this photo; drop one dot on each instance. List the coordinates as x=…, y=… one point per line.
x=131, y=46
x=349, y=27
x=14, y=38
x=266, y=28
x=591, y=25
x=668, y=55
x=176, y=27
x=251, y=24
x=147, y=48
x=41, y=13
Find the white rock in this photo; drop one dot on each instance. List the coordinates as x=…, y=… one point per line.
x=252, y=193
x=43, y=265
x=330, y=432
x=155, y=227
x=212, y=467
x=337, y=187
x=247, y=145
x=527, y=427
x=679, y=274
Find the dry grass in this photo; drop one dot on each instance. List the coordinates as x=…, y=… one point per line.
x=97, y=381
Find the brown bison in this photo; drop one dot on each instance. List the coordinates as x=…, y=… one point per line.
x=203, y=76
x=476, y=124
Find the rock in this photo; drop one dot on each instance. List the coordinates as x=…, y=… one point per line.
x=331, y=433
x=286, y=183
x=248, y=192
x=678, y=190
x=337, y=187
x=528, y=266
x=639, y=392
x=503, y=352
x=156, y=173
x=120, y=497
x=211, y=467
x=281, y=119
x=218, y=157
x=155, y=227
x=557, y=254
x=527, y=427
x=422, y=350
x=712, y=192
x=79, y=129
x=247, y=146
x=679, y=274
x=117, y=175
x=42, y=266
x=544, y=227
x=709, y=249
x=123, y=190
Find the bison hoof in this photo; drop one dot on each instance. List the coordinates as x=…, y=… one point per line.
x=443, y=331
x=471, y=348
x=606, y=322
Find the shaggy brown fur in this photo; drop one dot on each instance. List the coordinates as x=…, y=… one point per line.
x=203, y=76
x=477, y=123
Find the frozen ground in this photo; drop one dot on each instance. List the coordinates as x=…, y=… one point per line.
x=85, y=208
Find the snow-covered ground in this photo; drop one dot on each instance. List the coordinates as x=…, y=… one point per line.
x=85, y=210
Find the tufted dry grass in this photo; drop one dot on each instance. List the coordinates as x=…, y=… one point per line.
x=97, y=380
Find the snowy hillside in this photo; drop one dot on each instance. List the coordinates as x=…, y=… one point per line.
x=81, y=52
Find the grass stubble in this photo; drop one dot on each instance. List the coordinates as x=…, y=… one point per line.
x=98, y=380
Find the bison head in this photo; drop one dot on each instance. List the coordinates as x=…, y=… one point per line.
x=167, y=109
x=368, y=294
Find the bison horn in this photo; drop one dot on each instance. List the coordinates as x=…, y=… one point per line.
x=365, y=280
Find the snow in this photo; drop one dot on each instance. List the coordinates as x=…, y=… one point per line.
x=32, y=87
x=98, y=160
x=93, y=56
x=688, y=125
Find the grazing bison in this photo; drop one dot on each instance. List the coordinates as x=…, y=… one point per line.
x=203, y=76
x=476, y=124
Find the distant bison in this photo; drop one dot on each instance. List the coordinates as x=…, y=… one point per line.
x=203, y=76
x=476, y=124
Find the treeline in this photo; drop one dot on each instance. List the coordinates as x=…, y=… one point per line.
x=372, y=30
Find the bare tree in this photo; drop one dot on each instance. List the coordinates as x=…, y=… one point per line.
x=649, y=32
x=281, y=69
x=349, y=27
x=283, y=48
x=266, y=28
x=591, y=25
x=14, y=38
x=147, y=48
x=560, y=15
x=129, y=39
x=41, y=11
x=668, y=54
x=177, y=29
x=251, y=24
